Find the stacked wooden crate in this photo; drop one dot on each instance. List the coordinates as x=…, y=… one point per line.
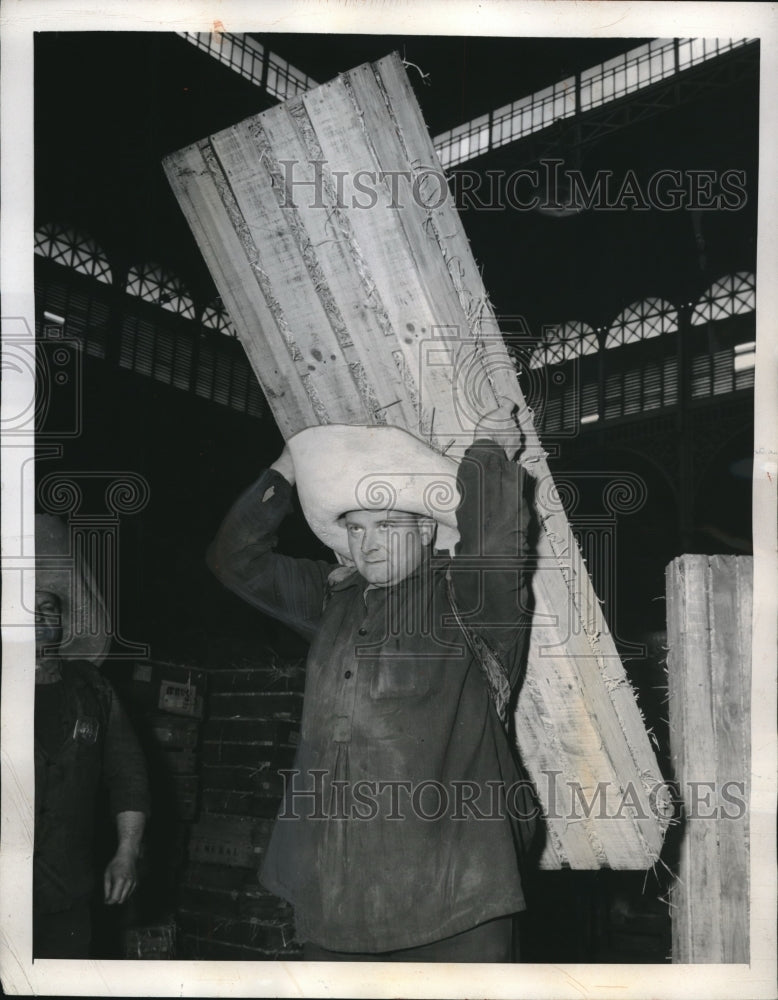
x=329, y=231
x=169, y=698
x=250, y=733
x=153, y=941
x=165, y=702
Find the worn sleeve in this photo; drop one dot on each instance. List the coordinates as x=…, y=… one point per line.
x=243, y=557
x=491, y=568
x=124, y=765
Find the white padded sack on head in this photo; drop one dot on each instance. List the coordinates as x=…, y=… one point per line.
x=339, y=467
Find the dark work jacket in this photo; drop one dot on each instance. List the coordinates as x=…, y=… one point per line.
x=97, y=745
x=394, y=694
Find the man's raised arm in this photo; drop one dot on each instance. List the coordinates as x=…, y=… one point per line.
x=491, y=570
x=243, y=556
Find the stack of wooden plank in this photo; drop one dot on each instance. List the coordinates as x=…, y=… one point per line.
x=328, y=228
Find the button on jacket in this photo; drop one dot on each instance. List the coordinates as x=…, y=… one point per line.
x=393, y=832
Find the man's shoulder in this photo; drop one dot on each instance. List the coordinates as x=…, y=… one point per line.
x=84, y=674
x=83, y=670
x=342, y=577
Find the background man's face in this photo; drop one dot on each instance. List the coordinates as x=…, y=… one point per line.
x=386, y=545
x=48, y=620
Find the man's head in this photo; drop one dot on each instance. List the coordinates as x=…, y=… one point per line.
x=387, y=545
x=340, y=468
x=81, y=620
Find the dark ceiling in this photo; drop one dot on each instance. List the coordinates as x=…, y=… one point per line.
x=110, y=105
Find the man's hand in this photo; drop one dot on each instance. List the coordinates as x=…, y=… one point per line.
x=501, y=426
x=120, y=876
x=121, y=872
x=285, y=465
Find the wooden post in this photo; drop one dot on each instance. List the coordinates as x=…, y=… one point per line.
x=709, y=604
x=330, y=233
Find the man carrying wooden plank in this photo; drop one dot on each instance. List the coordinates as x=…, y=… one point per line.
x=378, y=316
x=406, y=816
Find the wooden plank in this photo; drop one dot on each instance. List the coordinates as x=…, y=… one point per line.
x=341, y=275
x=443, y=225
x=392, y=298
x=704, y=878
x=234, y=273
x=709, y=602
x=443, y=326
x=738, y=835
x=381, y=243
x=678, y=697
x=731, y=596
x=253, y=183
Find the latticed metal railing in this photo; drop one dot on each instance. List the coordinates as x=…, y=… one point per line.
x=624, y=74
x=144, y=336
x=155, y=329
x=253, y=61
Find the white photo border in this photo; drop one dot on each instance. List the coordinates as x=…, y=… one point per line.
x=19, y=19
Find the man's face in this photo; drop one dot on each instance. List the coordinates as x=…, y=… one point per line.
x=48, y=619
x=387, y=545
